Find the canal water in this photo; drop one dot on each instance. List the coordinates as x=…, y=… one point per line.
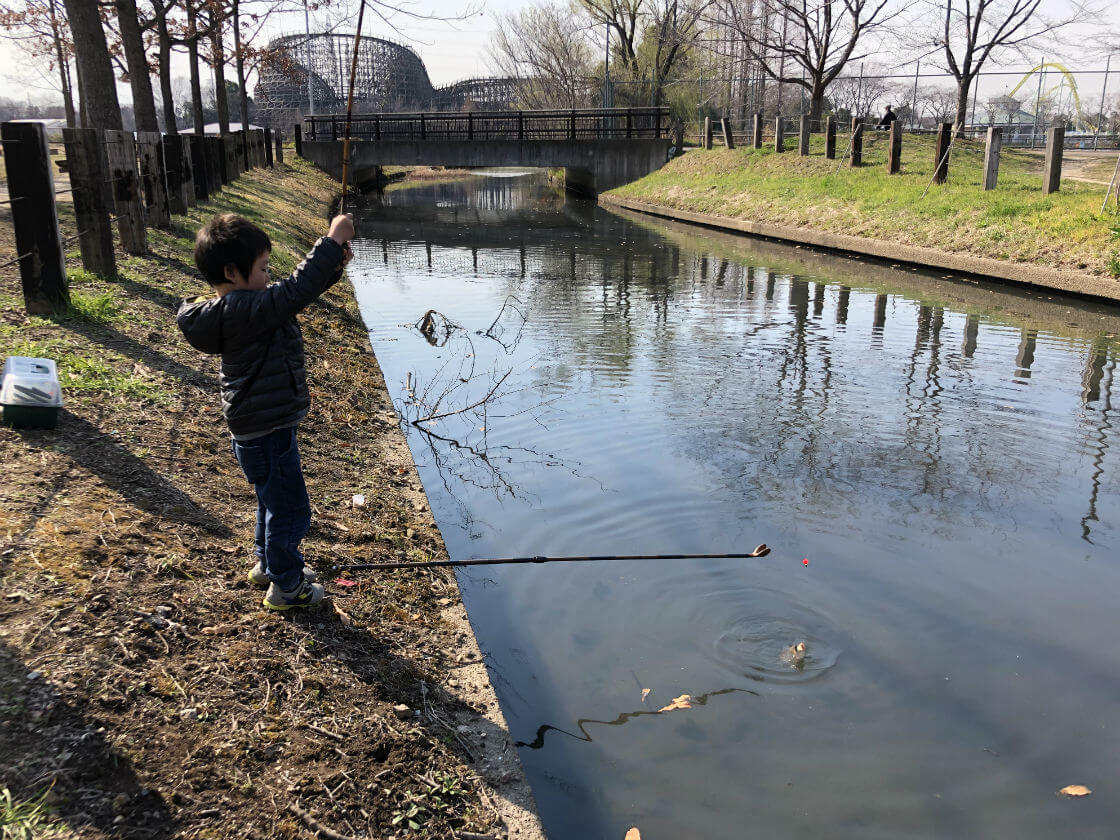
x=932, y=461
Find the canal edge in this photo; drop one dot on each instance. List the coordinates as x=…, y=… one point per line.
x=1061, y=280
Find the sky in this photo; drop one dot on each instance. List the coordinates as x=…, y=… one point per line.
x=452, y=49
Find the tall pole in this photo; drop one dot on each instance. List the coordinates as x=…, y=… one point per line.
x=307, y=57
x=914, y=97
x=1104, y=90
x=1038, y=101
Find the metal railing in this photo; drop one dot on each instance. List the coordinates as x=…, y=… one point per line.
x=570, y=124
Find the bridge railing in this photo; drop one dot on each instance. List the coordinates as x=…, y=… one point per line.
x=571, y=124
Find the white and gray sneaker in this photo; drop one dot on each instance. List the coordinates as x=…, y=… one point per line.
x=306, y=594
x=259, y=577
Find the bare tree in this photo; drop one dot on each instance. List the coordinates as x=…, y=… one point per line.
x=804, y=42
x=95, y=67
x=40, y=28
x=539, y=45
x=139, y=73
x=970, y=32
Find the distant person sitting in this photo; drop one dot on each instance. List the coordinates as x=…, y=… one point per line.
x=888, y=118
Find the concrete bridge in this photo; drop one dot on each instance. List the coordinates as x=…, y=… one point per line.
x=598, y=149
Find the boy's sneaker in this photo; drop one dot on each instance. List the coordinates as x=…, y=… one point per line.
x=306, y=594
x=259, y=577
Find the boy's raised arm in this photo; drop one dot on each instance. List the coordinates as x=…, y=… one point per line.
x=318, y=272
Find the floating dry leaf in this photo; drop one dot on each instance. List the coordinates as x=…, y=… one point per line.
x=678, y=703
x=645, y=694
x=1075, y=790
x=633, y=833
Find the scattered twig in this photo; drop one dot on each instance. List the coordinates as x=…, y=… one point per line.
x=326, y=732
x=470, y=835
x=315, y=826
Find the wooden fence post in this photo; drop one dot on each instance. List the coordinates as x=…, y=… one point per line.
x=894, y=151
x=186, y=167
x=856, y=153
x=215, y=163
x=706, y=140
x=756, y=128
x=803, y=136
x=173, y=169
x=991, y=157
x=120, y=151
x=728, y=136
x=779, y=135
x=89, y=185
x=153, y=178
x=268, y=147
x=941, y=153
x=279, y=145
x=42, y=263
x=830, y=138
x=297, y=132
x=200, y=166
x=247, y=159
x=1052, y=168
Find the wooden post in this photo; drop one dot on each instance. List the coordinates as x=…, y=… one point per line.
x=856, y=153
x=894, y=151
x=779, y=134
x=153, y=178
x=89, y=185
x=756, y=130
x=830, y=138
x=42, y=263
x=268, y=158
x=707, y=140
x=728, y=136
x=120, y=151
x=200, y=165
x=228, y=146
x=991, y=157
x=803, y=136
x=941, y=153
x=1052, y=168
x=173, y=170
x=215, y=163
x=279, y=145
x=297, y=132
x=186, y=167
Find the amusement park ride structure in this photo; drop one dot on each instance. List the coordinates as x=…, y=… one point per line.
x=389, y=77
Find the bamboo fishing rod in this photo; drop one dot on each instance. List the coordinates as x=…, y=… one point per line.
x=759, y=551
x=350, y=111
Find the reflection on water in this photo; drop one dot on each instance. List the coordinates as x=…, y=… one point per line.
x=939, y=451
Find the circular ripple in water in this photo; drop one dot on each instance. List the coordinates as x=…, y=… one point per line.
x=751, y=627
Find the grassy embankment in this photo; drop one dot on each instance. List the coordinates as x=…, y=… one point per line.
x=1015, y=222
x=143, y=690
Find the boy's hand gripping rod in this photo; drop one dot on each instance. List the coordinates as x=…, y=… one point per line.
x=759, y=551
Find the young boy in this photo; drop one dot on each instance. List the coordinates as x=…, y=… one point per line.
x=264, y=391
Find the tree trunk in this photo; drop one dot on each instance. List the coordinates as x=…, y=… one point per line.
x=242, y=95
x=964, y=87
x=165, y=68
x=816, y=102
x=63, y=67
x=218, y=62
x=83, y=112
x=99, y=90
x=139, y=75
x=192, y=55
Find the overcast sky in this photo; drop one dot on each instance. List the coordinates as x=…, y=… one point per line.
x=451, y=49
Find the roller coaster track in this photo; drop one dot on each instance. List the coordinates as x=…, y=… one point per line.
x=1080, y=121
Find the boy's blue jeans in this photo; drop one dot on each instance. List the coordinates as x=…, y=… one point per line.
x=271, y=464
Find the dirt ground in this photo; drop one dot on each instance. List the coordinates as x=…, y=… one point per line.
x=144, y=691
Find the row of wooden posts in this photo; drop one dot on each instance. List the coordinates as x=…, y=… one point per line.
x=133, y=180
x=1052, y=167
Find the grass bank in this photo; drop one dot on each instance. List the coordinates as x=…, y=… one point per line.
x=1014, y=223
x=144, y=692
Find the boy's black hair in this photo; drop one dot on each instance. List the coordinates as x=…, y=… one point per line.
x=228, y=239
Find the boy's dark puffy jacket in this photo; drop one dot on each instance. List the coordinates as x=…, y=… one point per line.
x=263, y=380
